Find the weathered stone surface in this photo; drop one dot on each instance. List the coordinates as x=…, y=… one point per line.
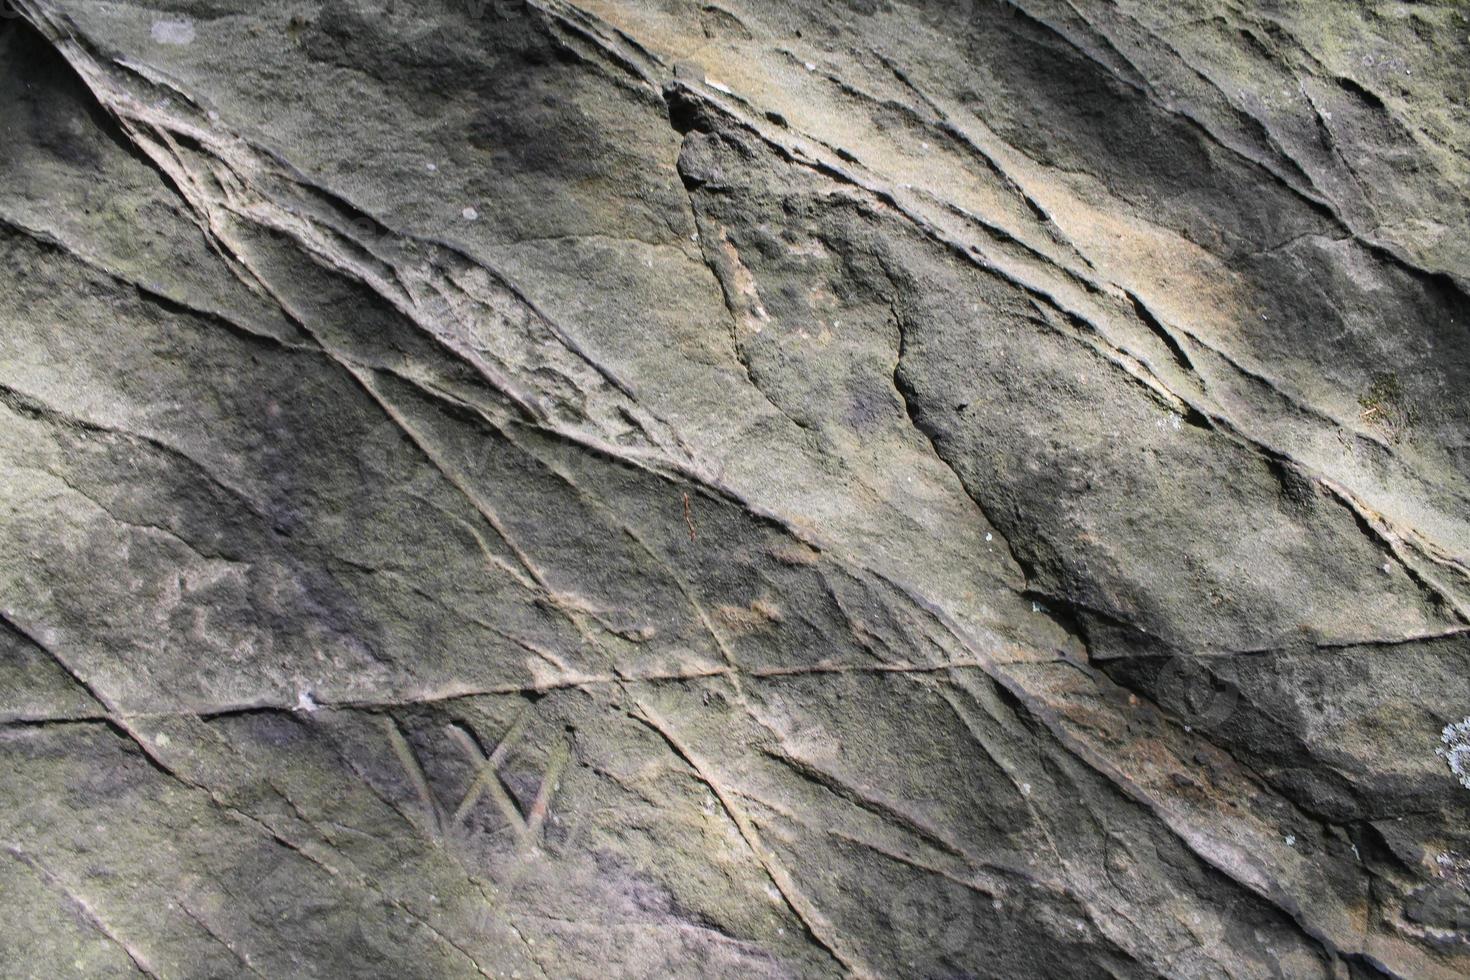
x=607, y=488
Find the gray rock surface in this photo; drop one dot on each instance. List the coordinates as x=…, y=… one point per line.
x=522, y=488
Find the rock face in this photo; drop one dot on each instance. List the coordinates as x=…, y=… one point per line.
x=742, y=489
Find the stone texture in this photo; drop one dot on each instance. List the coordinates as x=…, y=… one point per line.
x=532, y=488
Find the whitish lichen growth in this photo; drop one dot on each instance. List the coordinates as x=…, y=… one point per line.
x=1456, y=750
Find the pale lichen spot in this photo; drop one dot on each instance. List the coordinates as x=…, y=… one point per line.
x=176, y=32
x=1456, y=750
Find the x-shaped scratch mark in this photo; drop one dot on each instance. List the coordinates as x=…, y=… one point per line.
x=527, y=827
